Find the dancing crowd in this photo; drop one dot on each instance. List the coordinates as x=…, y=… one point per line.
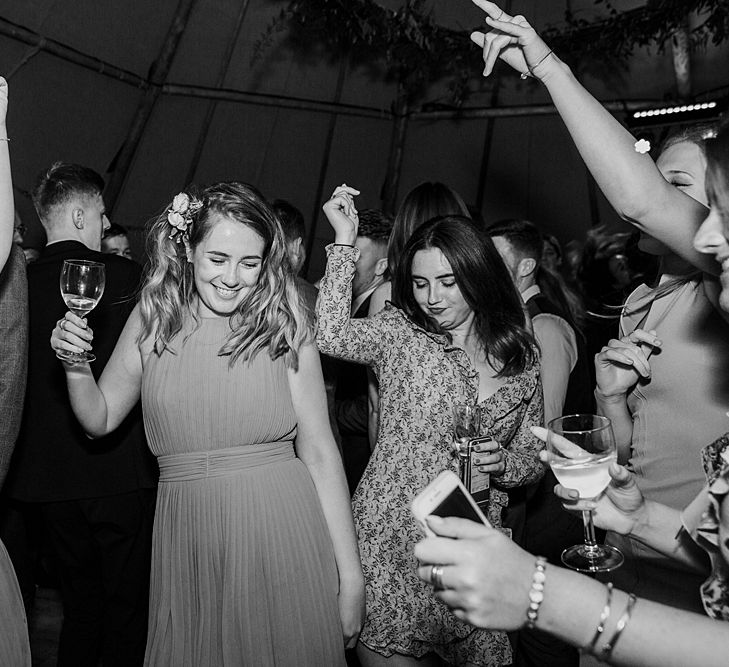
x=229, y=482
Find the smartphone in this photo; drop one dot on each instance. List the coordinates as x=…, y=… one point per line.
x=446, y=496
x=476, y=482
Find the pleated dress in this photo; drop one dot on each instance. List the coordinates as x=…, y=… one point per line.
x=243, y=569
x=14, y=645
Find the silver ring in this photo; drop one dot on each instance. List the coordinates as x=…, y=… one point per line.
x=500, y=15
x=436, y=577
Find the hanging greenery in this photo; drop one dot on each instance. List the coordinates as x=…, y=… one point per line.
x=409, y=47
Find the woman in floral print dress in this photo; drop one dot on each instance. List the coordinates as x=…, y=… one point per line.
x=457, y=334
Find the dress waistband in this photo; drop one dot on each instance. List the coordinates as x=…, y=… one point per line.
x=221, y=462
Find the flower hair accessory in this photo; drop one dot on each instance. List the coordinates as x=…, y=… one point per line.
x=642, y=146
x=181, y=214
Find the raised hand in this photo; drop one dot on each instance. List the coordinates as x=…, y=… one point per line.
x=342, y=214
x=512, y=39
x=621, y=363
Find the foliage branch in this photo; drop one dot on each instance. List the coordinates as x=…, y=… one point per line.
x=409, y=47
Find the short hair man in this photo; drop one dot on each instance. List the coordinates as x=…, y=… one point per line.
x=369, y=270
x=519, y=243
x=116, y=242
x=546, y=527
x=96, y=498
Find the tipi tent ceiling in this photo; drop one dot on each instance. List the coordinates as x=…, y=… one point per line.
x=294, y=123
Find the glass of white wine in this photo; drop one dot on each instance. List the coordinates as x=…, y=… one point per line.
x=581, y=450
x=82, y=285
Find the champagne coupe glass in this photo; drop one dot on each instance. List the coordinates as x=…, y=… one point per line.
x=466, y=425
x=581, y=449
x=82, y=284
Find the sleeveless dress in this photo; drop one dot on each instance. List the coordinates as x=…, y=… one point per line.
x=243, y=569
x=14, y=645
x=680, y=408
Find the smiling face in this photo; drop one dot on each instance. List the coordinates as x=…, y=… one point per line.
x=226, y=264
x=683, y=165
x=713, y=235
x=436, y=291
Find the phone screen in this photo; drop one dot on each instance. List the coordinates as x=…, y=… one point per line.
x=456, y=504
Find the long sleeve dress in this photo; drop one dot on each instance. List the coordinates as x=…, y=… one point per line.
x=420, y=375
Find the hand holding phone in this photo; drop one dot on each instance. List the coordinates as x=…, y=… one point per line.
x=446, y=496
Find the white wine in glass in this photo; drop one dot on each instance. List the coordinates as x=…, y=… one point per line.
x=82, y=285
x=581, y=450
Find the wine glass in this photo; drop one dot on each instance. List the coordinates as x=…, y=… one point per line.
x=581, y=449
x=466, y=425
x=82, y=284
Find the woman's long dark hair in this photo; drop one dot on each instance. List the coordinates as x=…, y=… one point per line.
x=424, y=202
x=485, y=284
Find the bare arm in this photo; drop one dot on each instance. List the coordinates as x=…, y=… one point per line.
x=100, y=408
x=487, y=580
x=630, y=180
x=7, y=204
x=558, y=345
x=316, y=448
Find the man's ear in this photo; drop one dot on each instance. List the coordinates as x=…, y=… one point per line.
x=526, y=267
x=77, y=216
x=381, y=266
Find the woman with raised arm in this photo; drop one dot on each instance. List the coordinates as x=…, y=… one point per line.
x=671, y=330
x=491, y=583
x=254, y=556
x=455, y=332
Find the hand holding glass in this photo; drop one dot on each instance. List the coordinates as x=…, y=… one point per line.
x=82, y=285
x=581, y=449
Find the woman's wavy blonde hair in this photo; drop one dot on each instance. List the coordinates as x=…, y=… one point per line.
x=272, y=316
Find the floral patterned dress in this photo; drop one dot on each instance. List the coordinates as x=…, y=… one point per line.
x=421, y=375
x=707, y=521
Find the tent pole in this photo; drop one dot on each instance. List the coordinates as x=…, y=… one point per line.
x=157, y=75
x=212, y=104
x=41, y=43
x=344, y=63
x=397, y=147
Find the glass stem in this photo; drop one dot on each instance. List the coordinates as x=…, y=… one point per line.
x=590, y=541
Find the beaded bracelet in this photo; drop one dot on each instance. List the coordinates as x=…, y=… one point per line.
x=604, y=616
x=536, y=592
x=530, y=70
x=609, y=645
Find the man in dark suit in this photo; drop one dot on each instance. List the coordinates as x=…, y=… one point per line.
x=96, y=497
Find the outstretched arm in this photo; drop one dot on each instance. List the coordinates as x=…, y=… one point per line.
x=486, y=580
x=630, y=180
x=7, y=204
x=101, y=407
